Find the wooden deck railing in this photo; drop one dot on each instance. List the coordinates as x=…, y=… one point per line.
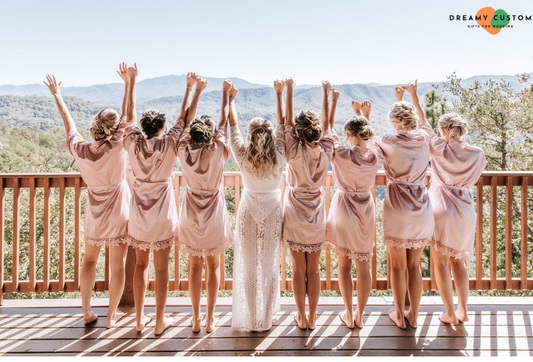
x=508, y=223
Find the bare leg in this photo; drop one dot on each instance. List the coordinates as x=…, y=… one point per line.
x=117, y=255
x=460, y=276
x=87, y=277
x=195, y=289
x=364, y=286
x=299, y=266
x=161, y=290
x=313, y=286
x=212, y=269
x=140, y=282
x=346, y=287
x=444, y=283
x=414, y=285
x=398, y=259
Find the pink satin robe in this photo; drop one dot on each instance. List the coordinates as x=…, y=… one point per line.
x=304, y=219
x=102, y=165
x=153, y=212
x=204, y=226
x=407, y=214
x=351, y=221
x=455, y=166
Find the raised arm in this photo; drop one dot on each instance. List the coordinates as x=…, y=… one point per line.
x=132, y=94
x=123, y=73
x=200, y=86
x=326, y=87
x=289, y=107
x=192, y=78
x=233, y=121
x=412, y=89
x=55, y=88
x=366, y=107
x=399, y=91
x=356, y=106
x=224, y=110
x=279, y=86
x=334, y=99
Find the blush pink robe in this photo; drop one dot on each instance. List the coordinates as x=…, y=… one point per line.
x=351, y=221
x=407, y=214
x=204, y=226
x=304, y=219
x=102, y=165
x=153, y=213
x=455, y=166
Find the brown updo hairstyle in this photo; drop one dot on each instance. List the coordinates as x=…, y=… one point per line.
x=359, y=126
x=152, y=121
x=104, y=124
x=202, y=130
x=261, y=148
x=308, y=125
x=403, y=116
x=454, y=125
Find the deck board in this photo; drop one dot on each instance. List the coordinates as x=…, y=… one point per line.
x=496, y=329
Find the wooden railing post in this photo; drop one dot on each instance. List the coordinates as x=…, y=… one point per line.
x=508, y=233
x=2, y=239
x=493, y=221
x=16, y=236
x=479, y=235
x=524, y=251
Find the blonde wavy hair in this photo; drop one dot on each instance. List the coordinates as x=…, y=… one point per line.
x=454, y=125
x=260, y=149
x=403, y=116
x=104, y=124
x=359, y=126
x=308, y=126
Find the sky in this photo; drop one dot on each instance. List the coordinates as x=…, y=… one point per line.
x=343, y=41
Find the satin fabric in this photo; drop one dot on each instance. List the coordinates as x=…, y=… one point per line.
x=153, y=212
x=455, y=166
x=204, y=226
x=304, y=219
x=407, y=213
x=351, y=221
x=102, y=165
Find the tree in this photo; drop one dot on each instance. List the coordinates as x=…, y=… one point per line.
x=435, y=105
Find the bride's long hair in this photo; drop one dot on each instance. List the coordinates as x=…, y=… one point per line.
x=260, y=150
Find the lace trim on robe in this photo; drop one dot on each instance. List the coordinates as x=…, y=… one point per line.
x=148, y=245
x=445, y=250
x=405, y=243
x=347, y=252
x=306, y=248
x=116, y=241
x=208, y=252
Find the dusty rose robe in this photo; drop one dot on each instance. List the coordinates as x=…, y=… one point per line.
x=351, y=221
x=407, y=214
x=304, y=219
x=153, y=213
x=204, y=226
x=455, y=166
x=102, y=165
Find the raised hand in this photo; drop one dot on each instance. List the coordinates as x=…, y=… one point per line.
x=399, y=91
x=192, y=78
x=133, y=71
x=233, y=92
x=201, y=84
x=366, y=107
x=290, y=83
x=326, y=86
x=52, y=84
x=356, y=106
x=226, y=86
x=335, y=94
x=412, y=88
x=279, y=86
x=123, y=72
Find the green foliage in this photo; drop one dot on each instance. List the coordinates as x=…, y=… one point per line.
x=435, y=105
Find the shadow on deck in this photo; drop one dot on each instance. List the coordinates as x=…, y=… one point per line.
x=497, y=327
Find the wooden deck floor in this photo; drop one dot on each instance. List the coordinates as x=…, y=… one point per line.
x=497, y=327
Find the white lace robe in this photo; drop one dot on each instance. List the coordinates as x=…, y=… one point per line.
x=257, y=241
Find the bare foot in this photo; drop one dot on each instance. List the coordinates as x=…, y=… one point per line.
x=447, y=319
x=411, y=318
x=311, y=324
x=144, y=321
x=89, y=317
x=358, y=319
x=167, y=322
x=197, y=324
x=347, y=319
x=114, y=318
x=300, y=322
x=210, y=326
x=393, y=315
x=461, y=315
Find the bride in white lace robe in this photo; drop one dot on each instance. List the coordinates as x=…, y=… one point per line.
x=259, y=222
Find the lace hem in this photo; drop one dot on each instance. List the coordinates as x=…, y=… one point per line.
x=207, y=252
x=312, y=248
x=463, y=255
x=148, y=245
x=405, y=243
x=349, y=253
x=123, y=239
